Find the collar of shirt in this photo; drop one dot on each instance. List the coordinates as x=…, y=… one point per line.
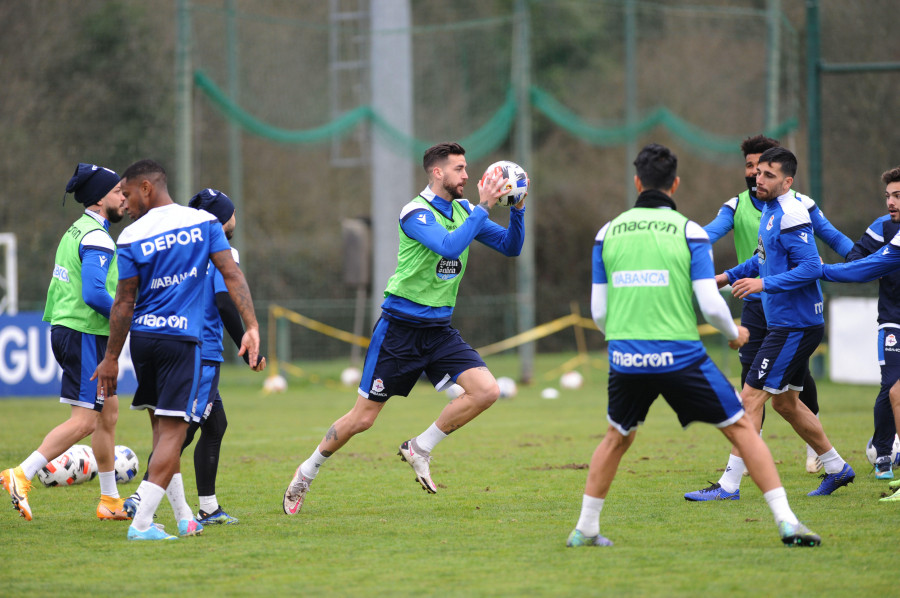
x=96, y=216
x=653, y=198
x=439, y=203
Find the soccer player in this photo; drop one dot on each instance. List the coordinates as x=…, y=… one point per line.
x=208, y=412
x=880, y=239
x=788, y=265
x=78, y=303
x=742, y=214
x=160, y=297
x=413, y=334
x=647, y=264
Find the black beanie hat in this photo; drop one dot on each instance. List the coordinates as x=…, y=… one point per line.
x=215, y=202
x=91, y=183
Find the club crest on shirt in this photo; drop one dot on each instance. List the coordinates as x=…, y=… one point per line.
x=760, y=250
x=448, y=269
x=770, y=222
x=890, y=340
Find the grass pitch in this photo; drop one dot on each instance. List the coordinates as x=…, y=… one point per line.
x=509, y=492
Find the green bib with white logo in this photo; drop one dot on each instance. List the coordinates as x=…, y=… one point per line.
x=422, y=275
x=65, y=305
x=648, y=273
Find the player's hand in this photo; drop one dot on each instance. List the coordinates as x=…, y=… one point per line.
x=721, y=280
x=106, y=375
x=746, y=286
x=260, y=364
x=250, y=346
x=490, y=189
x=741, y=340
x=521, y=203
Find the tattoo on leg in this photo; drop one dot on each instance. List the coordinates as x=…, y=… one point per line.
x=326, y=453
x=331, y=434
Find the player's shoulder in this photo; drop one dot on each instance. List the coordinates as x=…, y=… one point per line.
x=731, y=204
x=413, y=208
x=98, y=238
x=695, y=232
x=793, y=212
x=805, y=200
x=602, y=232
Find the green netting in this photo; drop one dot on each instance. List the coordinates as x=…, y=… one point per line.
x=494, y=132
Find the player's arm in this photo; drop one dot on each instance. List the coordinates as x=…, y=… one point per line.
x=97, y=251
x=802, y=253
x=240, y=294
x=838, y=241
x=599, y=282
x=747, y=269
x=871, y=241
x=507, y=241
x=723, y=222
x=712, y=305
x=417, y=222
x=868, y=268
x=94, y=270
x=120, y=316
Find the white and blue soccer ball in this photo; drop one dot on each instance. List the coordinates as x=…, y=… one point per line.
x=516, y=186
x=126, y=465
x=571, y=380
x=75, y=466
x=871, y=454
x=508, y=388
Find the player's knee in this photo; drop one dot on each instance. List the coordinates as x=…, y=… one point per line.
x=487, y=396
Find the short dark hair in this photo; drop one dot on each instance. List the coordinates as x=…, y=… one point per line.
x=439, y=153
x=891, y=176
x=147, y=168
x=781, y=156
x=656, y=167
x=758, y=144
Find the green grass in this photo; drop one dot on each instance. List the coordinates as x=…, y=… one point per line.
x=510, y=487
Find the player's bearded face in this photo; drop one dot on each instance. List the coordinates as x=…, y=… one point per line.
x=771, y=181
x=892, y=197
x=454, y=176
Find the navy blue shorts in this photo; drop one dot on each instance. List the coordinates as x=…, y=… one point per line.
x=753, y=318
x=168, y=375
x=208, y=393
x=783, y=359
x=889, y=355
x=78, y=354
x=699, y=392
x=398, y=354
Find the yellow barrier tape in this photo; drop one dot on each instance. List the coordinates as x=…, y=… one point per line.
x=280, y=312
x=530, y=335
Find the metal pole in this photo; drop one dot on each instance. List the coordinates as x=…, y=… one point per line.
x=393, y=184
x=521, y=77
x=773, y=62
x=814, y=100
x=183, y=90
x=235, y=150
x=630, y=99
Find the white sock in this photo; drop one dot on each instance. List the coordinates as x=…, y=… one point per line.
x=781, y=510
x=150, y=496
x=810, y=452
x=108, y=484
x=832, y=461
x=589, y=521
x=310, y=467
x=33, y=464
x=731, y=479
x=175, y=494
x=208, y=504
x=427, y=440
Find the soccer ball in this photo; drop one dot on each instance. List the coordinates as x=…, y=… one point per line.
x=75, y=466
x=871, y=454
x=126, y=464
x=275, y=383
x=571, y=380
x=516, y=186
x=550, y=393
x=351, y=376
x=508, y=388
